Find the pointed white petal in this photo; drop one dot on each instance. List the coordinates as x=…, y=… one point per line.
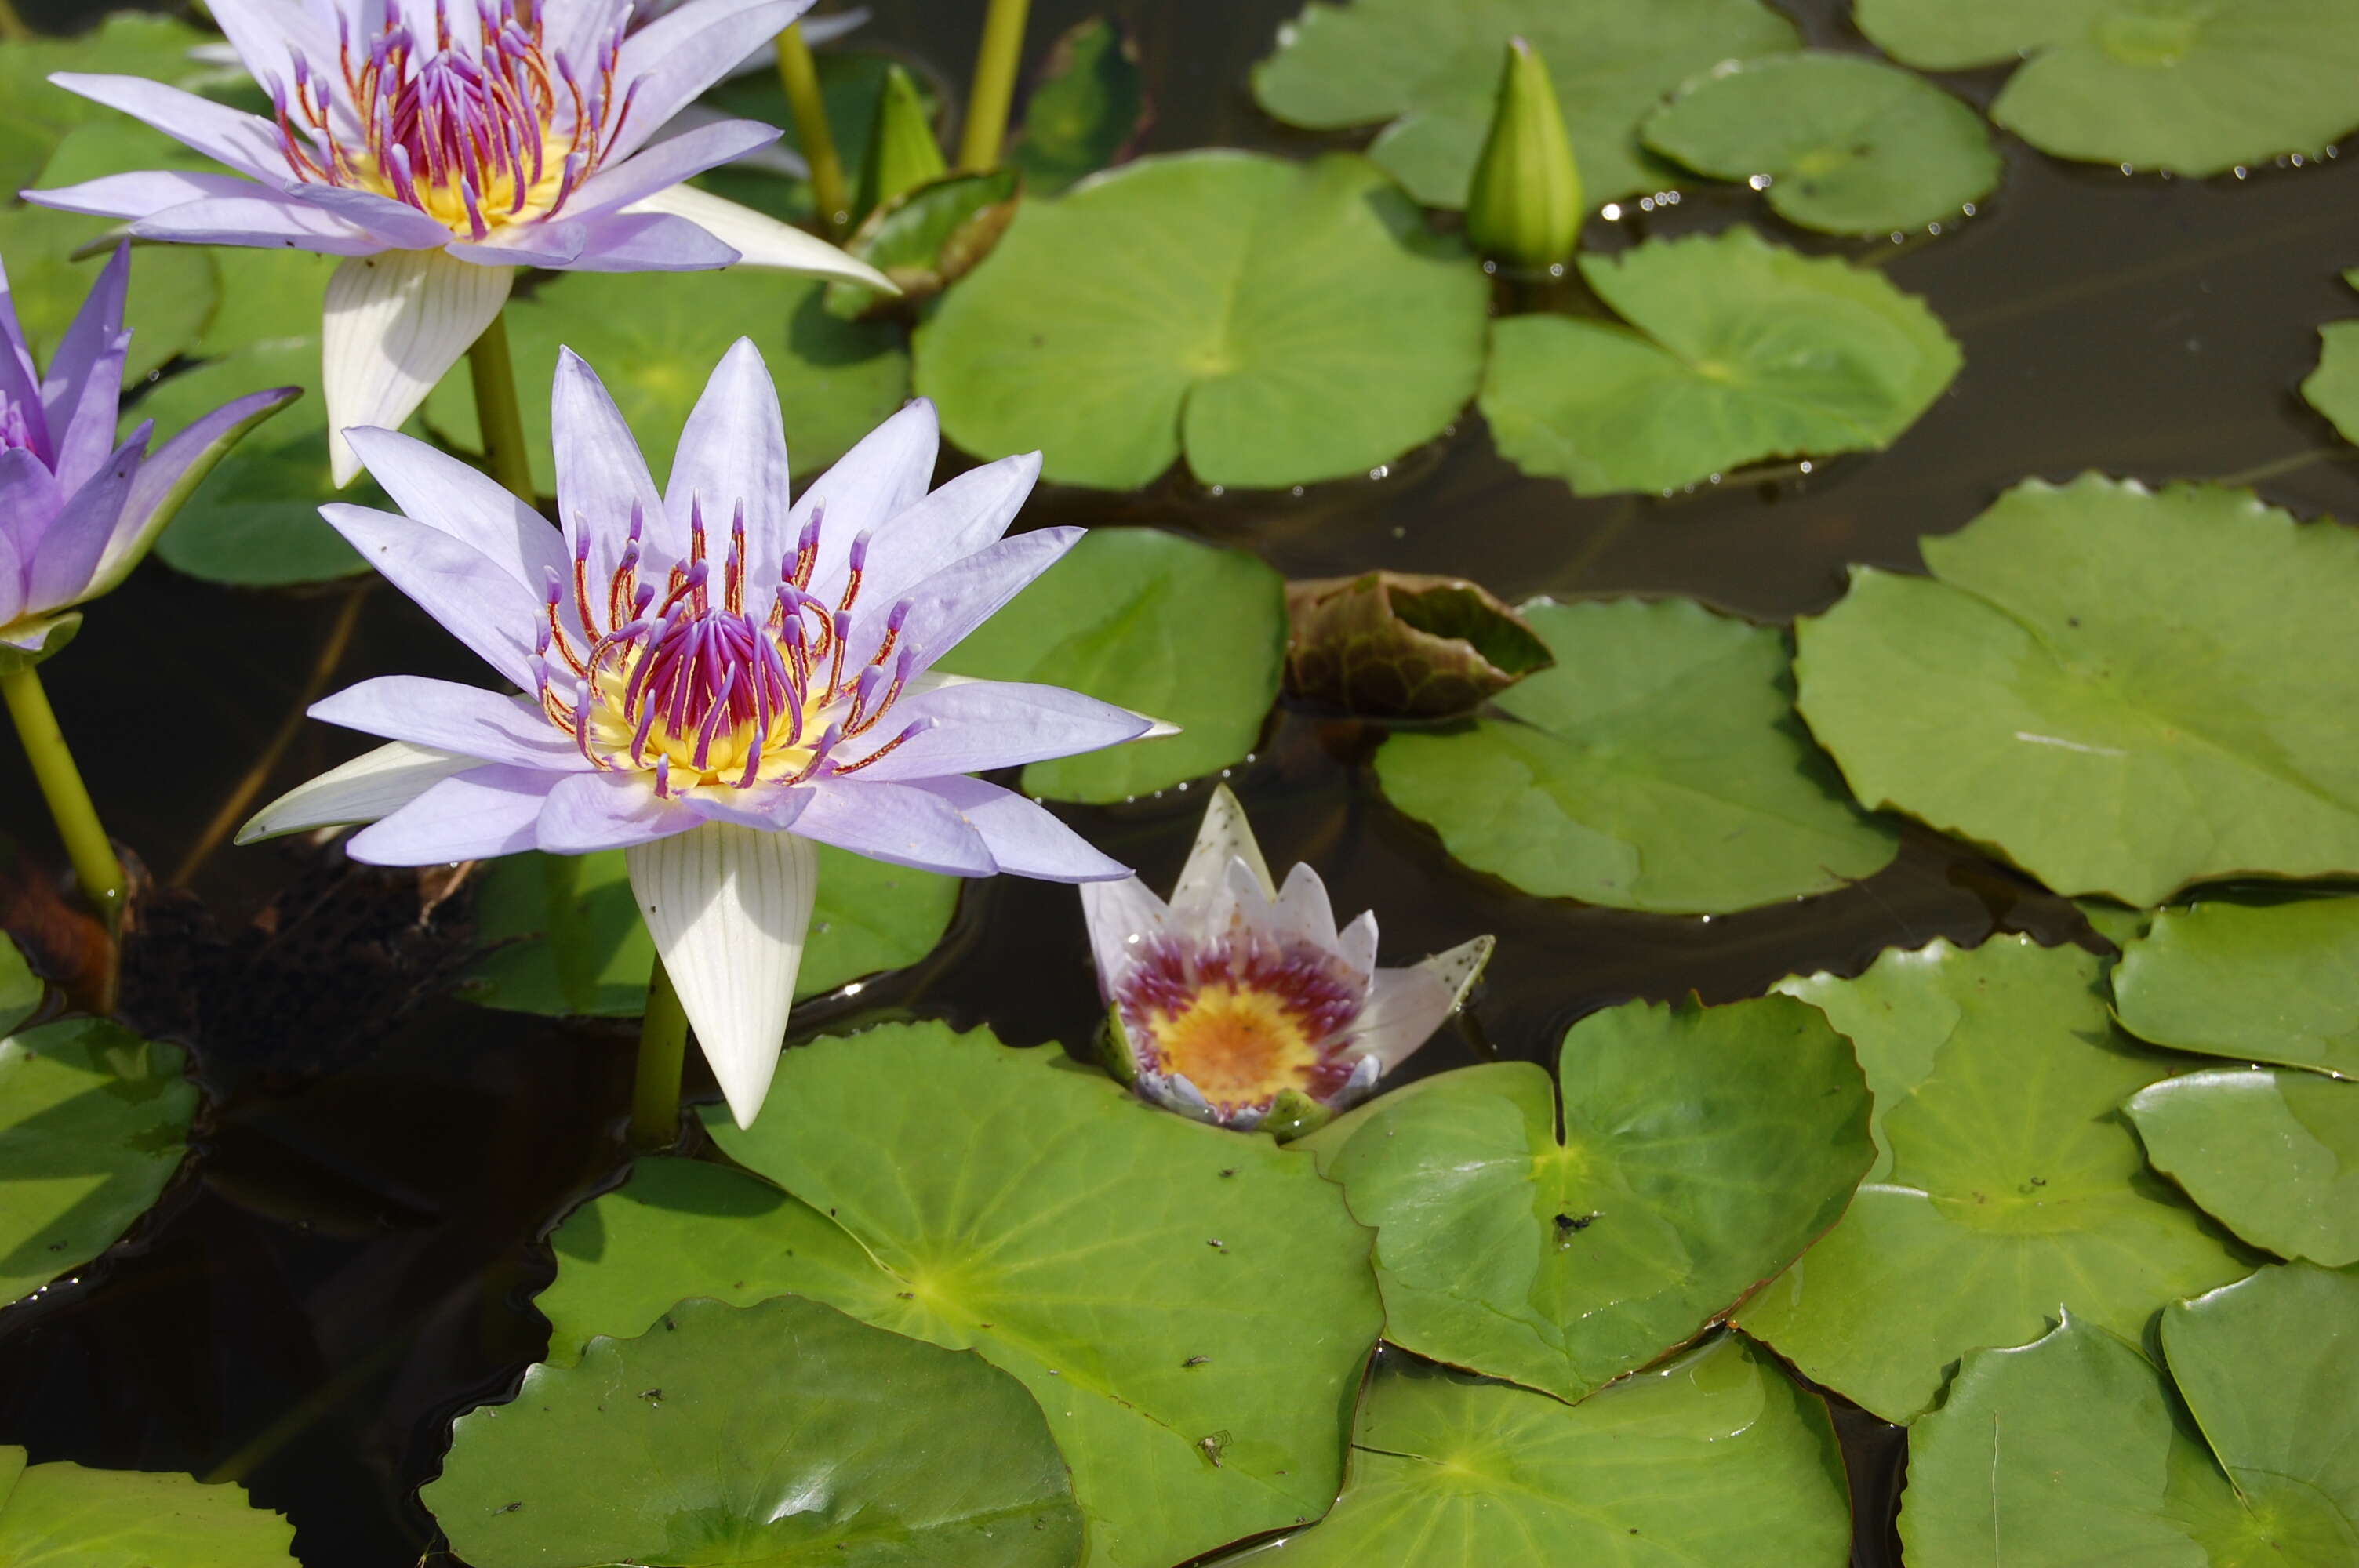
x=761, y=240
x=395, y=322
x=373, y=785
x=1123, y=917
x=1225, y=836
x=1357, y=944
x=1303, y=913
x=729, y=907
x=1405, y=1006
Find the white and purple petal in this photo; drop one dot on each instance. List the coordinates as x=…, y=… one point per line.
x=1024, y=838
x=394, y=324
x=894, y=822
x=471, y=815
x=444, y=715
x=473, y=597
x=374, y=785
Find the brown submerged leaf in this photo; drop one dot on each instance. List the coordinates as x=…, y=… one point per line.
x=1403, y=645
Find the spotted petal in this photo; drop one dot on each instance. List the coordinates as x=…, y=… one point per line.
x=1225, y=836
x=1405, y=1006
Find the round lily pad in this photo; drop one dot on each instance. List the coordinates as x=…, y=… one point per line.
x=1124, y=617
x=1284, y=322
x=2191, y=86
x=2008, y=1185
x=2333, y=388
x=2275, y=982
x=1433, y=71
x=1846, y=145
x=868, y=916
x=1155, y=1281
x=2123, y=691
x=1657, y=766
x=2272, y=1156
x=1701, y=1149
x=62, y=1516
x=1713, y=1458
x=784, y=1433
x=1735, y=350
x=94, y=1122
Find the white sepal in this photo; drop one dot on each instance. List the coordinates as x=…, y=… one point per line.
x=373, y=785
x=729, y=908
x=761, y=240
x=1225, y=836
x=394, y=323
x=1405, y=1006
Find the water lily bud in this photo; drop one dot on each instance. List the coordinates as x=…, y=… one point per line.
x=1526, y=206
x=1398, y=645
x=902, y=152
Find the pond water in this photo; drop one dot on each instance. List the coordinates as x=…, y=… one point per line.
x=348, y=1259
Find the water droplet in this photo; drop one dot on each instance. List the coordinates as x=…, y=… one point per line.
x=1219, y=489
x=1759, y=183
x=2242, y=171
x=1646, y=204
x=1610, y=211
x=1806, y=465
x=1298, y=492
x=2125, y=169
x=1932, y=227
x=1968, y=209
x=2297, y=160
x=1380, y=471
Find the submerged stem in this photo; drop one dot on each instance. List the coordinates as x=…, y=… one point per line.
x=77, y=818
x=798, y=74
x=497, y=414
x=663, y=1047
x=994, y=89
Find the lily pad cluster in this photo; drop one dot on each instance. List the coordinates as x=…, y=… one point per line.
x=61, y=1513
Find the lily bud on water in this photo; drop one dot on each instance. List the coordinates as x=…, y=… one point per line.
x=712, y=680
x=1525, y=206
x=1240, y=1004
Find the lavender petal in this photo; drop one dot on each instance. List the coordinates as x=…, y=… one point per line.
x=953, y=602
x=968, y=514
x=1025, y=839
x=675, y=58
x=31, y=497
x=733, y=454
x=897, y=823
x=1123, y=918
x=647, y=241
x=590, y=812
x=978, y=725
x=474, y=597
x=452, y=497
x=62, y=564
x=255, y=222
x=601, y=475
x=665, y=163
x=882, y=477
x=246, y=143
x=84, y=383
x=447, y=717
x=469, y=816
x=173, y=468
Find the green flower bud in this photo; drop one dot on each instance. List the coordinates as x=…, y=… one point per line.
x=1526, y=206
x=902, y=152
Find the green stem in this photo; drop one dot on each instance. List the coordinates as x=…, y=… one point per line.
x=77, y=818
x=994, y=90
x=663, y=1046
x=798, y=74
x=12, y=26
x=497, y=414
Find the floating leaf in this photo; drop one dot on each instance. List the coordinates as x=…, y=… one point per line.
x=1403, y=644
x=927, y=240
x=40, y=114
x=1153, y=1280
x=2333, y=388
x=1736, y=351
x=1191, y=633
x=2183, y=85
x=777, y=1433
x=1848, y=145
x=2272, y=1156
x=2005, y=1184
x=1085, y=112
x=20, y=989
x=1658, y=766
x=1284, y=322
x=2123, y=691
x=62, y=1516
x=1431, y=71
x=869, y=916
x=1715, y=1458
x=2275, y=982
x=1702, y=1149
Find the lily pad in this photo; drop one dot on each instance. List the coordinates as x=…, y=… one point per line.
x=1085, y=112
x=1155, y=1281
x=868, y=916
x=20, y=989
x=129, y=43
x=1735, y=351
x=62, y=1516
x=1658, y=766
x=925, y=240
x=1431, y=71
x=2333, y=388
x=2123, y=691
x=2189, y=86
x=1702, y=1149
x=1284, y=322
x=2007, y=1182
x=2272, y=1156
x=1715, y=1458
x=1847, y=145
x=2276, y=982
x=780, y=1433
x=1404, y=645
x=1124, y=617
x=94, y=1122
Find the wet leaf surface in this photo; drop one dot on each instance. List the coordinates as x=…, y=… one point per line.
x=2333, y=388
x=2272, y=1156
x=64, y=1515
x=2261, y=982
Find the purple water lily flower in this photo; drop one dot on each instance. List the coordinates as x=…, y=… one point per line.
x=1237, y=1004
x=77, y=510
x=712, y=680
x=440, y=150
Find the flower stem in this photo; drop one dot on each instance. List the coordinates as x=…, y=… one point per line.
x=994, y=89
x=497, y=414
x=798, y=74
x=663, y=1045
x=12, y=26
x=77, y=818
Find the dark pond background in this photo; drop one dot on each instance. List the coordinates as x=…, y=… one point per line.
x=346, y=1260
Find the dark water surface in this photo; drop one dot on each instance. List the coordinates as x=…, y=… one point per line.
x=347, y=1260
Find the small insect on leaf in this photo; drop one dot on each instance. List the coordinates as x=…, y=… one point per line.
x=509, y=1509
x=1195, y=1360
x=1214, y=1446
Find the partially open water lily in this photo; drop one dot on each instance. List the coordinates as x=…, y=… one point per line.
x=712, y=680
x=1241, y=1004
x=441, y=149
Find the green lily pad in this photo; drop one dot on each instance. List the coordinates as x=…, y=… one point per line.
x=20, y=989
x=925, y=240
x=1085, y=111
x=1156, y=1282
x=781, y=1433
x=850, y=82
x=2189, y=86
x=1124, y=618
x=1431, y=71
x=2333, y=388
x=2274, y=1156
x=1847, y=145
x=94, y=1122
x=127, y=43
x=2276, y=982
x=1658, y=766
x=1715, y=1458
x=1285, y=322
x=2123, y=691
x=62, y=1516
x=1735, y=351
x=1702, y=1149
x=868, y=917
x=2008, y=1185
